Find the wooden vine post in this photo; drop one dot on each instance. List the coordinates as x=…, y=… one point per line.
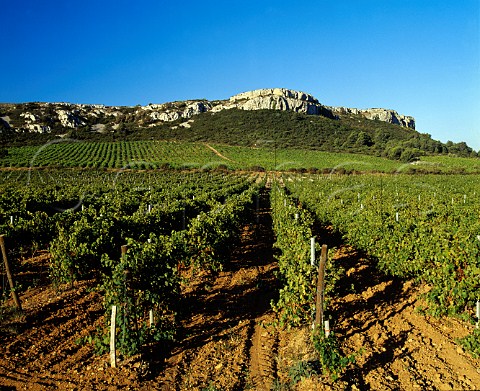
x=9, y=274
x=320, y=287
x=124, y=249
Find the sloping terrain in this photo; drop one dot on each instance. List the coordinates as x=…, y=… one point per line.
x=290, y=119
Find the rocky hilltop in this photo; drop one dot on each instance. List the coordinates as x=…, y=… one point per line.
x=385, y=115
x=277, y=99
x=62, y=117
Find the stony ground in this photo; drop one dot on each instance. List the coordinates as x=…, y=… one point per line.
x=226, y=340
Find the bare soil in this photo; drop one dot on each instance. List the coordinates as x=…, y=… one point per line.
x=226, y=340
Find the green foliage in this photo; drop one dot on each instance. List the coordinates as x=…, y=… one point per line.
x=211, y=234
x=211, y=387
x=451, y=164
x=393, y=152
x=302, y=370
x=170, y=220
x=331, y=358
x=79, y=246
x=84, y=214
x=363, y=140
x=297, y=296
x=174, y=155
x=410, y=154
x=261, y=154
x=31, y=231
x=413, y=226
x=147, y=277
x=287, y=129
x=334, y=272
x=291, y=225
x=144, y=279
x=471, y=343
x=296, y=304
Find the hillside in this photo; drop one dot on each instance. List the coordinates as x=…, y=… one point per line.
x=286, y=118
x=349, y=133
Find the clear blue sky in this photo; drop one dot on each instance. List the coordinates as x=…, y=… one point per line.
x=419, y=57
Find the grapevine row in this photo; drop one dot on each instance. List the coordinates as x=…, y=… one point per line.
x=414, y=226
x=147, y=277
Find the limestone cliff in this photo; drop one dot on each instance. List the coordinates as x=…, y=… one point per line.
x=277, y=99
x=385, y=115
x=62, y=117
x=172, y=111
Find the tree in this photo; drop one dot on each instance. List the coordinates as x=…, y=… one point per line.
x=363, y=140
x=394, y=152
x=410, y=155
x=351, y=140
x=460, y=149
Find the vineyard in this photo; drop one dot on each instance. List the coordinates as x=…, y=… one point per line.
x=214, y=275
x=263, y=155
x=415, y=227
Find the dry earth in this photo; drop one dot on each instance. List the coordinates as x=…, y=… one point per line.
x=226, y=340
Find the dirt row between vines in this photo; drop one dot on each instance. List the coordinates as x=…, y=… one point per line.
x=225, y=339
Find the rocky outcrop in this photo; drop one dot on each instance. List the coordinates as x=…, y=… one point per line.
x=61, y=117
x=278, y=99
x=29, y=117
x=5, y=124
x=195, y=108
x=32, y=125
x=269, y=92
x=38, y=128
x=385, y=115
x=70, y=119
x=167, y=116
x=172, y=112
